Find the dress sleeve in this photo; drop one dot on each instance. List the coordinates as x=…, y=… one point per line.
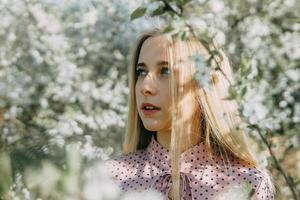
x=265, y=190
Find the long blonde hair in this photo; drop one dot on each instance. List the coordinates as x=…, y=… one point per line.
x=213, y=119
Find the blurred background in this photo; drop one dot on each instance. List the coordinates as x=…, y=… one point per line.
x=64, y=86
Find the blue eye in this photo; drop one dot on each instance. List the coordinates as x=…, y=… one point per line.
x=138, y=72
x=165, y=69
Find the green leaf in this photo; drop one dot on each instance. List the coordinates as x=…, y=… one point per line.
x=184, y=36
x=231, y=93
x=168, y=29
x=137, y=13
x=244, y=90
x=158, y=11
x=209, y=60
x=5, y=174
x=182, y=2
x=245, y=65
x=291, y=179
x=215, y=52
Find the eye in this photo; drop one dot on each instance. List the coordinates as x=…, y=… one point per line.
x=139, y=71
x=166, y=70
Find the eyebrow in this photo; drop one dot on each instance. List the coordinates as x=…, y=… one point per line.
x=159, y=63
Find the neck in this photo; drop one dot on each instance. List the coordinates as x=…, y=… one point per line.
x=164, y=139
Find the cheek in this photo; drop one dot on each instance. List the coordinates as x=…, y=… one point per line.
x=167, y=98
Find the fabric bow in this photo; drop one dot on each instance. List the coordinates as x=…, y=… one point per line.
x=163, y=183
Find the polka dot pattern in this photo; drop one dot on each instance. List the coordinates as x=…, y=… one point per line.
x=201, y=177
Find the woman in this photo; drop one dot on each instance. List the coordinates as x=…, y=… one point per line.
x=182, y=138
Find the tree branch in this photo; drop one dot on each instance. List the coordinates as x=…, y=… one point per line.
x=210, y=52
x=277, y=164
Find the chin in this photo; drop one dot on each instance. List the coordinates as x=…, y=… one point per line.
x=150, y=128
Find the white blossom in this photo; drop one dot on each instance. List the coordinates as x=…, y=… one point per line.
x=99, y=185
x=220, y=38
x=216, y=6
x=240, y=192
x=90, y=18
x=145, y=195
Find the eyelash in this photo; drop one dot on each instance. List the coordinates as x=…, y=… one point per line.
x=138, y=71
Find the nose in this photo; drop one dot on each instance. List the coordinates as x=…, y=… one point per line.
x=148, y=86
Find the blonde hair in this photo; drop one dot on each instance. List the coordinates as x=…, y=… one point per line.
x=213, y=119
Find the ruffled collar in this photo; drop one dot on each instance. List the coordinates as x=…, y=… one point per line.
x=160, y=156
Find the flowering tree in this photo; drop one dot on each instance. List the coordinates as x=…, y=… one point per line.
x=63, y=86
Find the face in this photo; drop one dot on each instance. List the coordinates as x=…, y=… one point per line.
x=152, y=84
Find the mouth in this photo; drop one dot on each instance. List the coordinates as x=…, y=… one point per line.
x=150, y=112
x=149, y=109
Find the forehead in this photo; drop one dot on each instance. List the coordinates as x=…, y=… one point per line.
x=153, y=49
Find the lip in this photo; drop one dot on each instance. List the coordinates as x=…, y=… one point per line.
x=148, y=104
x=149, y=112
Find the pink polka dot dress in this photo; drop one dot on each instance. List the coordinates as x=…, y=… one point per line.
x=201, y=177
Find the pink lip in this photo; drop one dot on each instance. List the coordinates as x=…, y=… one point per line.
x=150, y=112
x=147, y=104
